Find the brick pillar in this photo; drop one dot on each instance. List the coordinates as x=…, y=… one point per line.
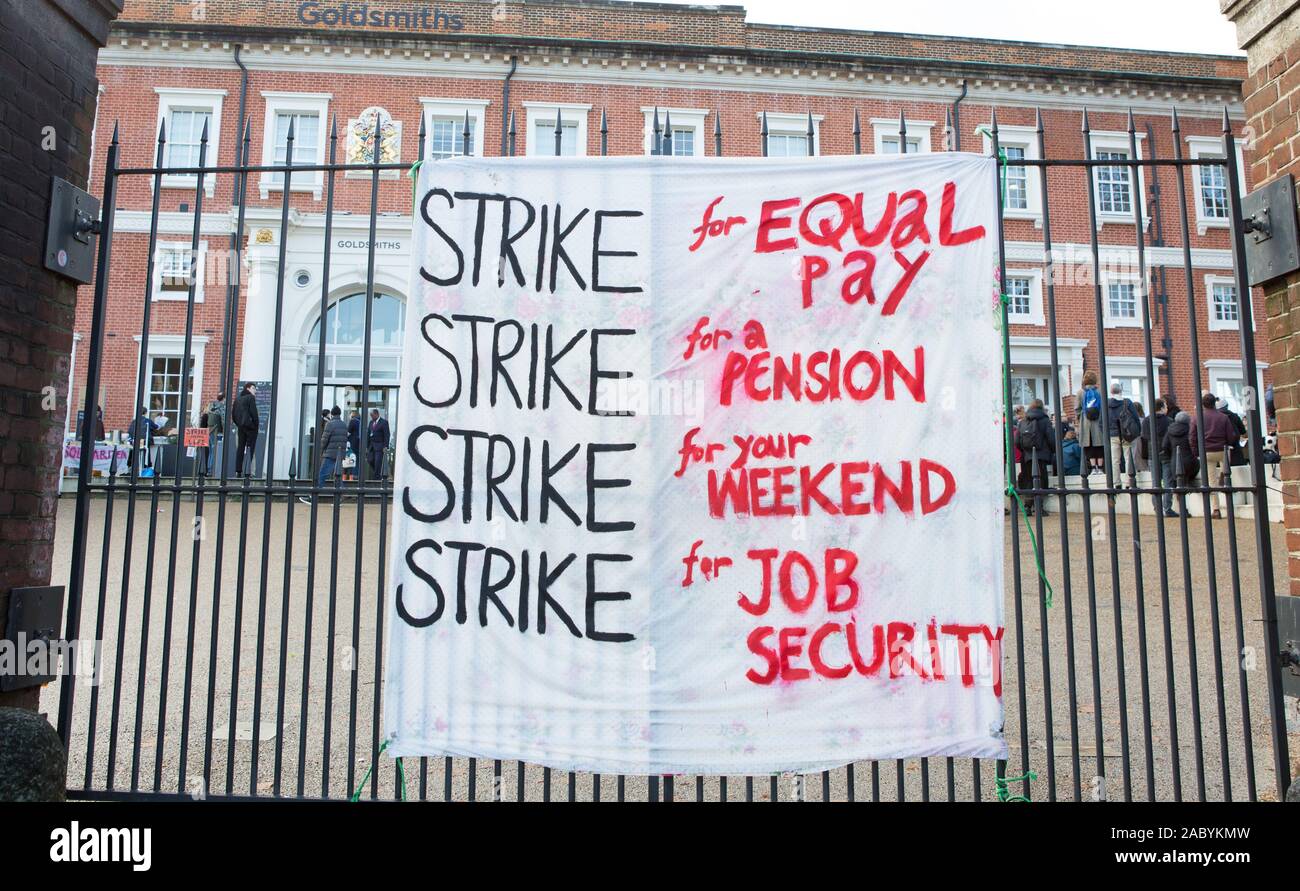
x=1269, y=32
x=48, y=84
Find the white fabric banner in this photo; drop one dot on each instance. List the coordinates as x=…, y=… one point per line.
x=699, y=464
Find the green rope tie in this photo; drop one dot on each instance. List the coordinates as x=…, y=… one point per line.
x=414, y=174
x=401, y=774
x=1003, y=786
x=1011, y=468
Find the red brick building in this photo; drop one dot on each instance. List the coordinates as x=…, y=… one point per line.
x=268, y=61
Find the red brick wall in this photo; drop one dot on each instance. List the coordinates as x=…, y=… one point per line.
x=48, y=79
x=1272, y=94
x=129, y=96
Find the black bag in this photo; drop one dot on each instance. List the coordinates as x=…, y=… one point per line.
x=1026, y=437
x=1129, y=427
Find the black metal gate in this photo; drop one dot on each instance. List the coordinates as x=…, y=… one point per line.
x=245, y=660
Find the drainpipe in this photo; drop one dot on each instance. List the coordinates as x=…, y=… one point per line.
x=1158, y=240
x=956, y=118
x=505, y=102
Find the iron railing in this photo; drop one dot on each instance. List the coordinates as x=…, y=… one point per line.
x=312, y=767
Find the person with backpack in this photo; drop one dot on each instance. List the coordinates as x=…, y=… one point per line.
x=1037, y=443
x=216, y=432
x=1152, y=444
x=333, y=443
x=1125, y=429
x=1087, y=410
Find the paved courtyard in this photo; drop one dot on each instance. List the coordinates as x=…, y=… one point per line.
x=296, y=629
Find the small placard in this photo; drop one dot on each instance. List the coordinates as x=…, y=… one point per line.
x=196, y=437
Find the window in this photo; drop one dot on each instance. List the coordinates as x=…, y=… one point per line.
x=1023, y=182
x=1024, y=290
x=165, y=388
x=1115, y=186
x=345, y=322
x=546, y=138
x=1223, y=310
x=886, y=136
x=1019, y=301
x=889, y=145
x=444, y=121
x=185, y=112
x=185, y=128
x=175, y=265
x=787, y=135
x=1016, y=178
x=688, y=134
x=1122, y=301
x=1223, y=298
x=540, y=133
x=787, y=145
x=164, y=379
x=1130, y=372
x=447, y=138
x=307, y=113
x=1213, y=207
x=1114, y=194
x=1228, y=381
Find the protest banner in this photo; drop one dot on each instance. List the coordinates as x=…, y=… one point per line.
x=102, y=458
x=700, y=465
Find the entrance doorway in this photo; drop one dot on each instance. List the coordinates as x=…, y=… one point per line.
x=348, y=398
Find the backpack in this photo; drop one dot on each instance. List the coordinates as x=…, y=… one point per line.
x=1127, y=422
x=1091, y=403
x=1027, y=436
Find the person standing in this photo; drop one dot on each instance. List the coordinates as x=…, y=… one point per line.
x=1220, y=435
x=142, y=432
x=216, y=431
x=1124, y=429
x=378, y=443
x=1153, y=442
x=1087, y=410
x=333, y=441
x=245, y=418
x=1037, y=443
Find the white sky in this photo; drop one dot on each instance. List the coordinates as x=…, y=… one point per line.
x=1187, y=25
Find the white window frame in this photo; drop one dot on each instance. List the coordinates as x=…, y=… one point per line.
x=1141, y=290
x=1213, y=324
x=1027, y=139
x=200, y=272
x=1200, y=146
x=794, y=125
x=1109, y=141
x=1219, y=369
x=1035, y=315
x=176, y=98
x=882, y=127
x=1136, y=367
x=278, y=103
x=172, y=346
x=569, y=112
x=454, y=109
x=682, y=119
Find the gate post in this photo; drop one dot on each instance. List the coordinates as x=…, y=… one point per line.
x=51, y=114
x=1270, y=34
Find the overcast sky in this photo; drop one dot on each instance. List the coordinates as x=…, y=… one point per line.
x=1188, y=25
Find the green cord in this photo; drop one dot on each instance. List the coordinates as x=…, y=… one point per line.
x=401, y=774
x=1004, y=793
x=414, y=174
x=1011, y=469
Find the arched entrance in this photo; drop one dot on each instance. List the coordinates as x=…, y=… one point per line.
x=341, y=383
